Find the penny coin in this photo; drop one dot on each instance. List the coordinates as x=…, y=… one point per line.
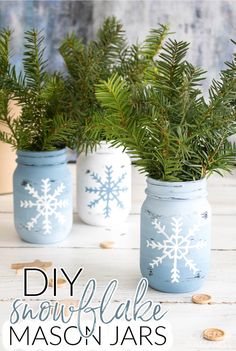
x=201, y=299
x=213, y=334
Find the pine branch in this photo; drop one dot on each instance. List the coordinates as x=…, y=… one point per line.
x=42, y=124
x=114, y=95
x=154, y=42
x=60, y=133
x=170, y=67
x=72, y=50
x=7, y=138
x=166, y=123
x=111, y=39
x=5, y=35
x=87, y=65
x=5, y=119
x=34, y=63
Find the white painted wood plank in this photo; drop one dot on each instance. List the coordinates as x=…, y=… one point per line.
x=125, y=235
x=105, y=265
x=229, y=179
x=188, y=322
x=6, y=203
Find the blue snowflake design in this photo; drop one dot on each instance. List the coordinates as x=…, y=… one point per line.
x=107, y=191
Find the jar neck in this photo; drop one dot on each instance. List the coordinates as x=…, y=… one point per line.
x=106, y=147
x=41, y=158
x=176, y=190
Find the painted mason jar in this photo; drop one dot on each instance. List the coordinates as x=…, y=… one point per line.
x=175, y=235
x=104, y=186
x=42, y=196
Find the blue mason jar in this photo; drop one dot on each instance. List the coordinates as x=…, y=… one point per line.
x=175, y=235
x=42, y=189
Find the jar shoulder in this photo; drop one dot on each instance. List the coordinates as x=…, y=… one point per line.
x=104, y=158
x=162, y=207
x=55, y=171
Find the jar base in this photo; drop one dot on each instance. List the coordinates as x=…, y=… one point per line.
x=103, y=223
x=42, y=242
x=179, y=290
x=176, y=288
x=43, y=239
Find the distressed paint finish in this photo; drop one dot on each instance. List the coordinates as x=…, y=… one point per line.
x=42, y=196
x=175, y=235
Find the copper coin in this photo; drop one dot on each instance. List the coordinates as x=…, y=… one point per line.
x=107, y=244
x=201, y=299
x=213, y=334
x=60, y=282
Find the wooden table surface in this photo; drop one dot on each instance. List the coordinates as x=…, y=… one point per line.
x=81, y=248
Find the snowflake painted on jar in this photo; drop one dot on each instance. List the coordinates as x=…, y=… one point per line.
x=175, y=247
x=107, y=190
x=46, y=204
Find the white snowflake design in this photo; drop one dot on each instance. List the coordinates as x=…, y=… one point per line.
x=175, y=247
x=107, y=190
x=46, y=205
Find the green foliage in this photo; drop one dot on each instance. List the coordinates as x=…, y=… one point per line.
x=172, y=133
x=138, y=58
x=42, y=125
x=88, y=64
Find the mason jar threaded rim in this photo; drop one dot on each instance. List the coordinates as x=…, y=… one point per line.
x=105, y=147
x=166, y=190
x=41, y=158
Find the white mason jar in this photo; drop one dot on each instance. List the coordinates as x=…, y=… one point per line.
x=104, y=186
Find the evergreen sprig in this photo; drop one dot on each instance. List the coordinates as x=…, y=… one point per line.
x=172, y=133
x=138, y=58
x=88, y=64
x=42, y=125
